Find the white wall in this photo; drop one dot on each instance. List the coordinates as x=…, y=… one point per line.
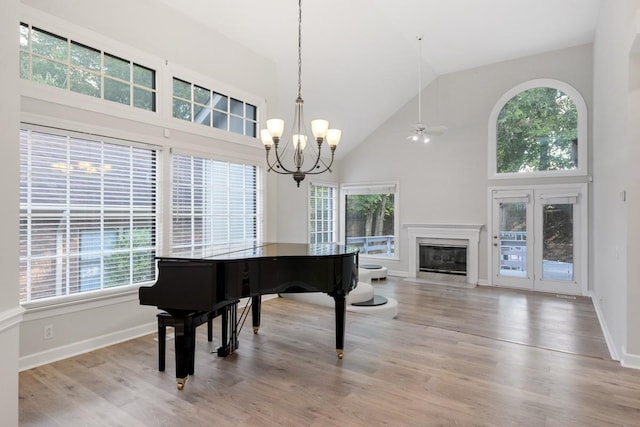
x=633, y=213
x=446, y=181
x=140, y=28
x=615, y=234
x=10, y=312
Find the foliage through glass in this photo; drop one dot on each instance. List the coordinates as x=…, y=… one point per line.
x=537, y=130
x=63, y=63
x=370, y=223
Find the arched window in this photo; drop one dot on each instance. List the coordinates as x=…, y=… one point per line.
x=538, y=128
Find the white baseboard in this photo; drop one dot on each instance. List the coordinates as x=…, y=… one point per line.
x=630, y=360
x=398, y=273
x=85, y=346
x=613, y=352
x=80, y=347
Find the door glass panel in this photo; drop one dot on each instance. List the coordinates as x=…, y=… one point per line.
x=557, y=245
x=513, y=239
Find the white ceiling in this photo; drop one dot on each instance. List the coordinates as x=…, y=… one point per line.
x=360, y=57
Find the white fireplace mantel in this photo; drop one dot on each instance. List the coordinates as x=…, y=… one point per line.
x=469, y=232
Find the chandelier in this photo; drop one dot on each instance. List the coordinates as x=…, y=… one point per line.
x=272, y=135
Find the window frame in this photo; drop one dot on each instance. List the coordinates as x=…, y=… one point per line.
x=187, y=75
x=102, y=73
x=106, y=214
x=332, y=221
x=87, y=37
x=259, y=201
x=373, y=188
x=581, y=107
x=213, y=110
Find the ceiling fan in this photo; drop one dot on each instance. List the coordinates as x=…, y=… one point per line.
x=421, y=132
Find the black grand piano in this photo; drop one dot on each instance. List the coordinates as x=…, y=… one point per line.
x=214, y=283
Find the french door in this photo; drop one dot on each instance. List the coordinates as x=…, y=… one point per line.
x=539, y=238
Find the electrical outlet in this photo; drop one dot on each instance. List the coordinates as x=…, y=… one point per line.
x=48, y=332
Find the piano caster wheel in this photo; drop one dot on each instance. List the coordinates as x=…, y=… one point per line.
x=255, y=329
x=340, y=354
x=180, y=382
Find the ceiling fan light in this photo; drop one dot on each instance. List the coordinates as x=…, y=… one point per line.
x=420, y=131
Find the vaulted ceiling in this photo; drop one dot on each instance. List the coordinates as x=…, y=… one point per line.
x=360, y=57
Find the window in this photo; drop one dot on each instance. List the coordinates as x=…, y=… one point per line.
x=67, y=64
x=215, y=203
x=87, y=214
x=322, y=213
x=198, y=104
x=538, y=129
x=370, y=218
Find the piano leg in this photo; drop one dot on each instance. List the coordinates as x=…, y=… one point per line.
x=341, y=308
x=184, y=334
x=255, y=312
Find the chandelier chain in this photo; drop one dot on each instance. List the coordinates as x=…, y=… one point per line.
x=299, y=48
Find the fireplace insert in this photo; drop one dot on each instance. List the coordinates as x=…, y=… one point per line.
x=443, y=259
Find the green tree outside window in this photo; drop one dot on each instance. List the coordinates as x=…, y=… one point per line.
x=537, y=130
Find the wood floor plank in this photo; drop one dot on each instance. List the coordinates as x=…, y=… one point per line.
x=466, y=357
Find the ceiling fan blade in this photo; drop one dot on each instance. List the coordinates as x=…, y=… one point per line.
x=436, y=130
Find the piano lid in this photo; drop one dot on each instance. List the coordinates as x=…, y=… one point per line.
x=264, y=250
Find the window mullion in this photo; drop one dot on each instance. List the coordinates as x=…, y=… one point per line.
x=102, y=218
x=29, y=215
x=131, y=206
x=192, y=207
x=68, y=215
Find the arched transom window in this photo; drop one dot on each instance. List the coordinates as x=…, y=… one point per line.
x=538, y=128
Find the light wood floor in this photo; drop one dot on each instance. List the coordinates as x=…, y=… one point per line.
x=463, y=357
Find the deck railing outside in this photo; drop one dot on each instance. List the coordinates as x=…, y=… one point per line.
x=513, y=251
x=373, y=245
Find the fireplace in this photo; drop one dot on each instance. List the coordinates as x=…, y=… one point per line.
x=445, y=259
x=444, y=253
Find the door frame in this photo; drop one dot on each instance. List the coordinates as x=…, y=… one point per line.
x=581, y=251
x=512, y=195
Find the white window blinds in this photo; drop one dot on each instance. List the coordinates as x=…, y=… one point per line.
x=322, y=213
x=87, y=213
x=214, y=203
x=559, y=198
